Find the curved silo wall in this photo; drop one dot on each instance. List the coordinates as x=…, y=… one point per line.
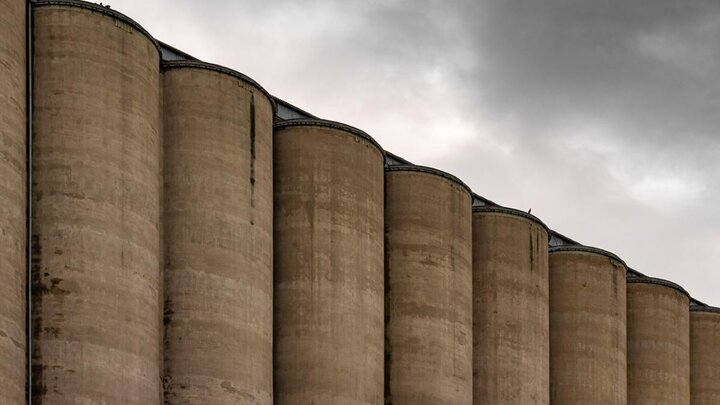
x=704, y=355
x=658, y=343
x=12, y=200
x=96, y=192
x=218, y=236
x=428, y=259
x=328, y=234
x=511, y=342
x=587, y=327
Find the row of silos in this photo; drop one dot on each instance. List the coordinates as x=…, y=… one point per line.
x=159, y=192
x=139, y=176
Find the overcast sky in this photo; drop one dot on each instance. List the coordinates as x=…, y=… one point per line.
x=601, y=116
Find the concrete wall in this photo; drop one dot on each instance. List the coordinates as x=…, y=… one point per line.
x=123, y=201
x=12, y=201
x=218, y=237
x=161, y=233
x=428, y=259
x=96, y=205
x=511, y=335
x=704, y=355
x=587, y=327
x=658, y=343
x=328, y=265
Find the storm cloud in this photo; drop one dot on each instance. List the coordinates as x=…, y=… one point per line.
x=601, y=116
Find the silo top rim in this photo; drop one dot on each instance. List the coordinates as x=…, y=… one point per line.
x=196, y=64
x=705, y=308
x=657, y=281
x=429, y=170
x=100, y=9
x=317, y=122
x=480, y=209
x=587, y=249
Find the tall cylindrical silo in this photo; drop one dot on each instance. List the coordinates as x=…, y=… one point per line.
x=658, y=336
x=12, y=200
x=704, y=355
x=96, y=198
x=587, y=327
x=328, y=234
x=511, y=336
x=428, y=267
x=218, y=214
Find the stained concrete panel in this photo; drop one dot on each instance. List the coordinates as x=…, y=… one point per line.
x=588, y=327
x=96, y=199
x=428, y=259
x=511, y=338
x=12, y=201
x=658, y=343
x=704, y=355
x=218, y=237
x=328, y=259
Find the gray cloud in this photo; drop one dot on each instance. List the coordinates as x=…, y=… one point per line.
x=619, y=100
x=600, y=115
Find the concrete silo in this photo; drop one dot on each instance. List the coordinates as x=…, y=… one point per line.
x=511, y=342
x=328, y=234
x=428, y=266
x=587, y=327
x=658, y=336
x=218, y=213
x=12, y=200
x=96, y=198
x=704, y=355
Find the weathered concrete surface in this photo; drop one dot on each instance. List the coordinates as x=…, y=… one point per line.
x=218, y=214
x=704, y=356
x=329, y=327
x=96, y=205
x=511, y=335
x=12, y=201
x=161, y=234
x=587, y=327
x=658, y=356
x=428, y=259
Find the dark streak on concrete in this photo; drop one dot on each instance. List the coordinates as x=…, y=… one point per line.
x=252, y=150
